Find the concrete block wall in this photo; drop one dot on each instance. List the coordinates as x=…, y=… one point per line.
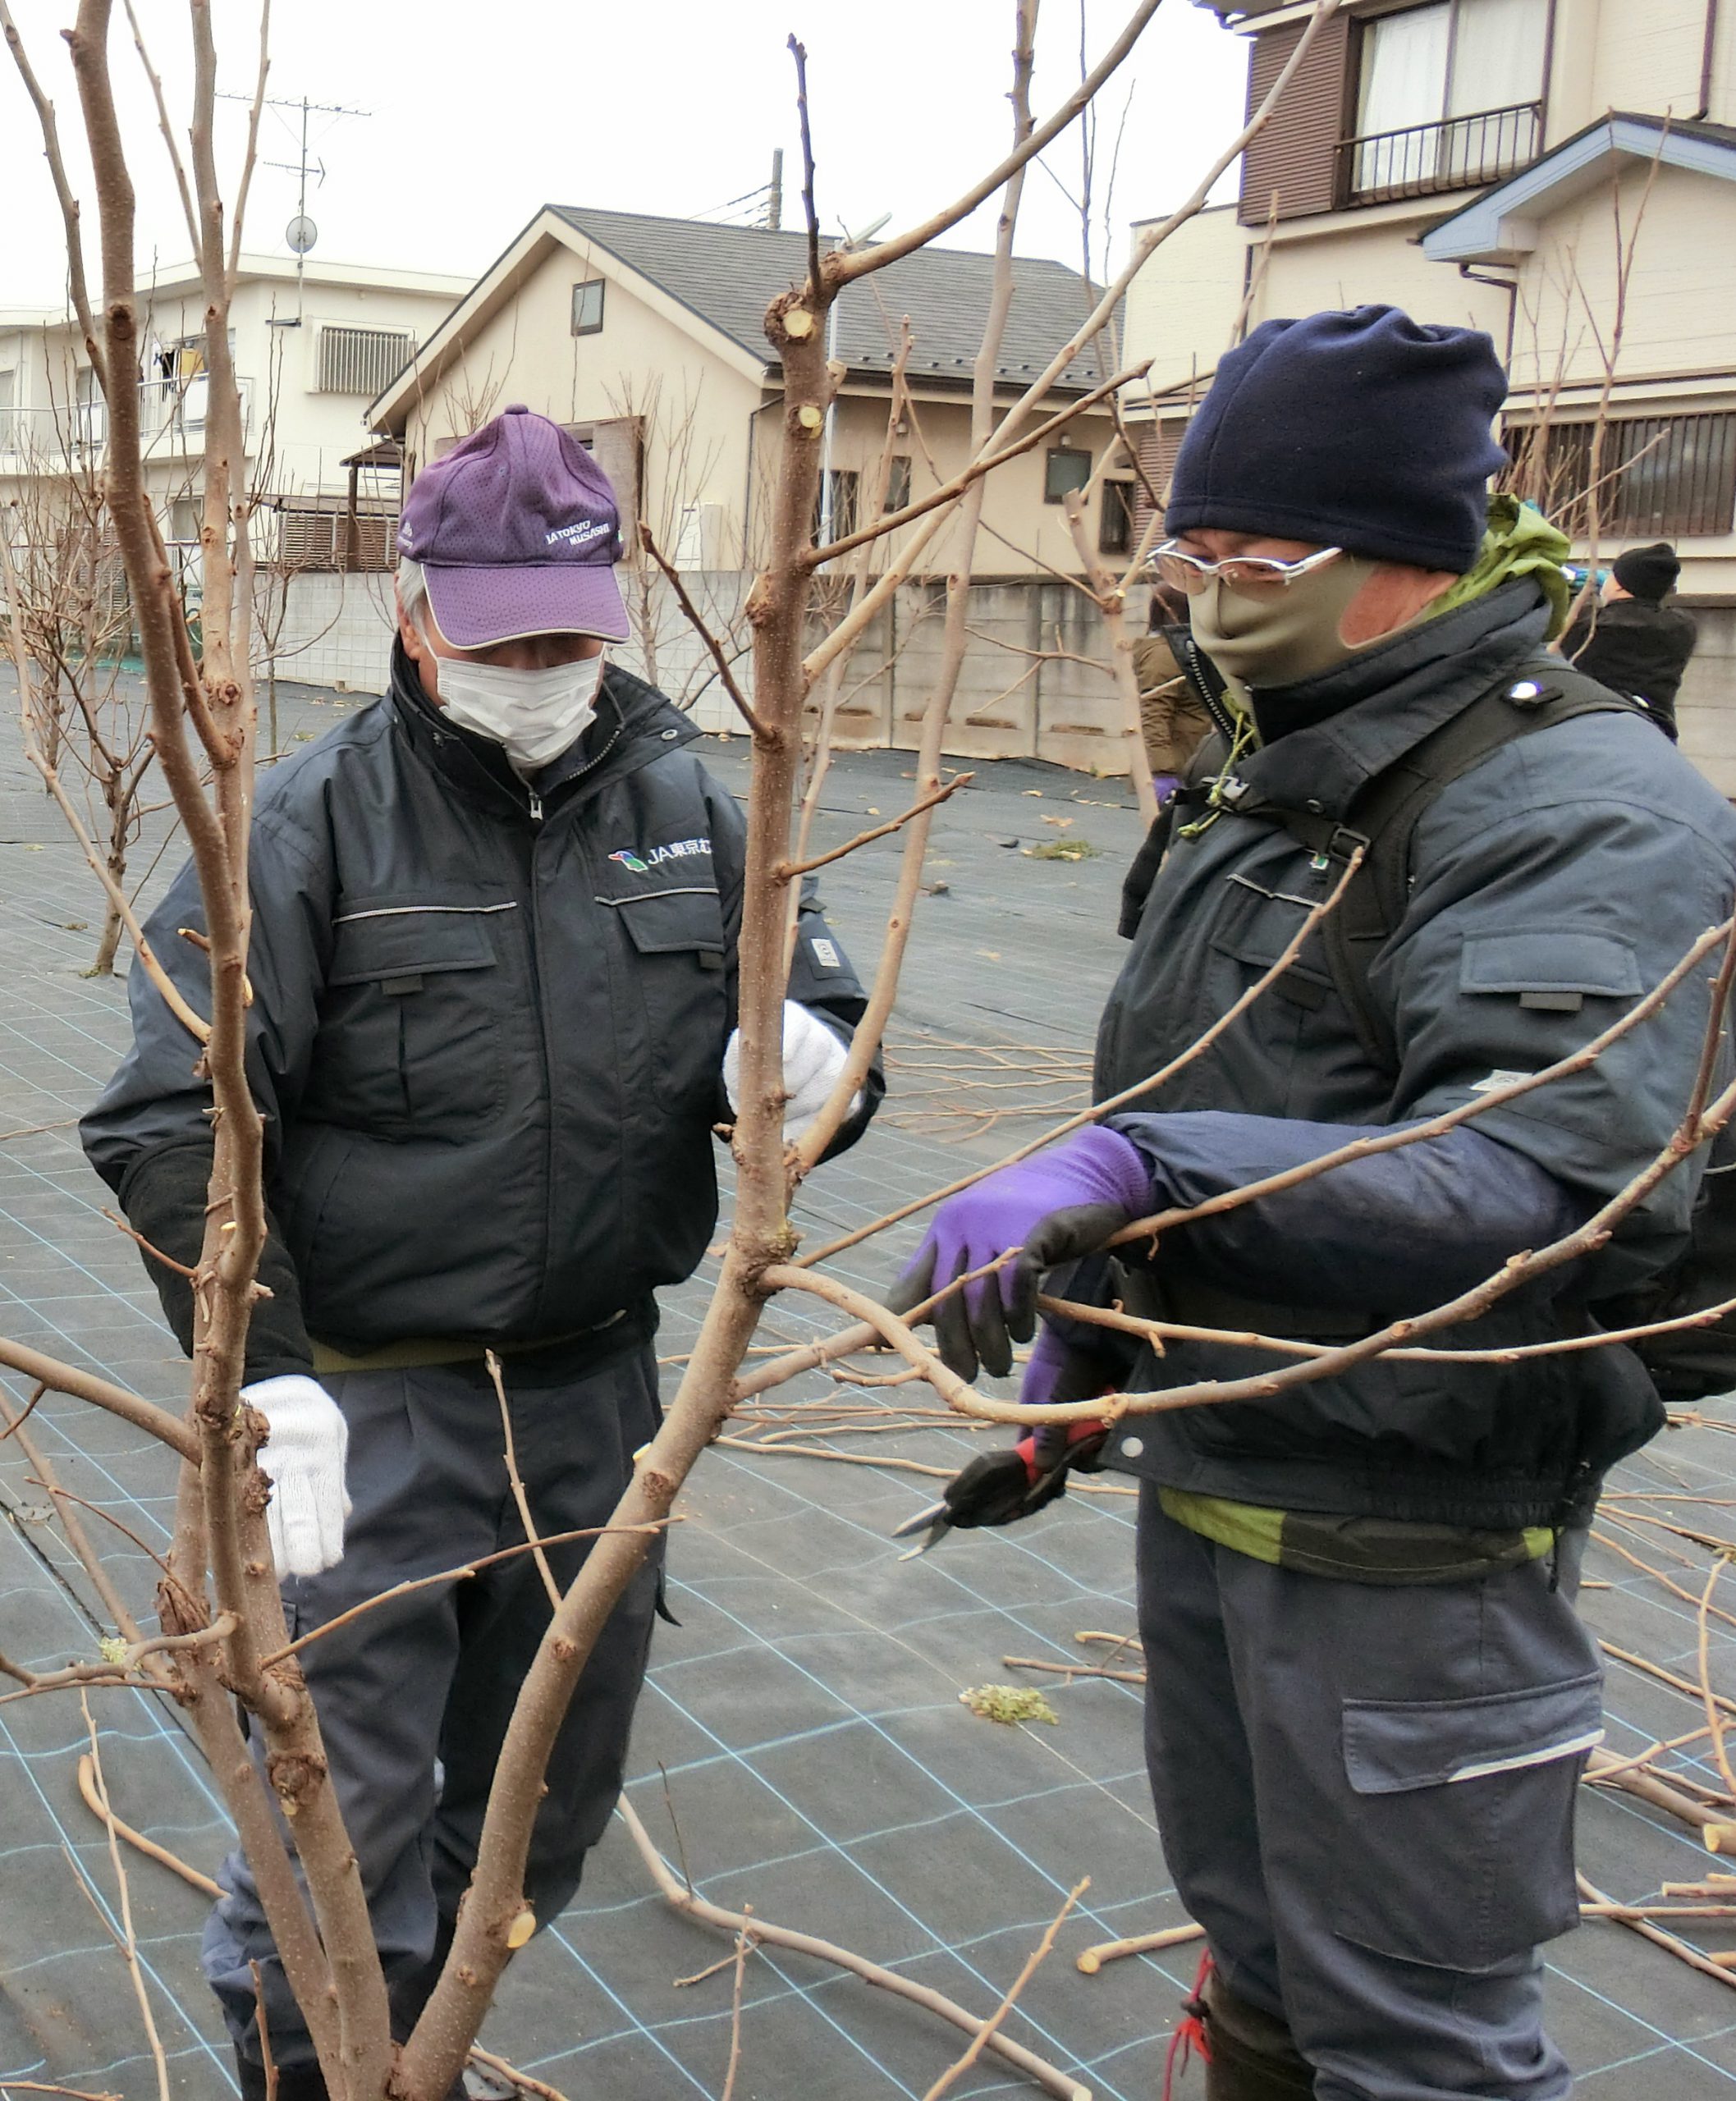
x=331, y=630
x=1023, y=691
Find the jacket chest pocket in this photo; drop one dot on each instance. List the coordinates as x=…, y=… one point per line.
x=1256, y=925
x=410, y=1042
x=679, y=962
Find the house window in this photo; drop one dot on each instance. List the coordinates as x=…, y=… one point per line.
x=1448, y=98
x=1065, y=471
x=1115, y=526
x=361, y=360
x=835, y=506
x=587, y=308
x=1644, y=478
x=898, y=481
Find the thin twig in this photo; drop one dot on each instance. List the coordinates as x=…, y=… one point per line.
x=789, y=870
x=1050, y=2077
x=1091, y=1960
x=86, y=1386
x=129, y=1941
x=516, y=1479
x=464, y=1570
x=986, y=2032
x=1071, y=1671
x=1671, y=1943
x=98, y=1806
x=744, y=1942
x=731, y=685
x=268, y=2060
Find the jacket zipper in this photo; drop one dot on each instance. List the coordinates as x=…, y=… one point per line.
x=549, y=1063
x=1202, y=677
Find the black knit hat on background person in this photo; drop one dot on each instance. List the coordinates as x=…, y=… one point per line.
x=1366, y=431
x=1648, y=572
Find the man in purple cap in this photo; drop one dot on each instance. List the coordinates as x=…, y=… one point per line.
x=493, y=963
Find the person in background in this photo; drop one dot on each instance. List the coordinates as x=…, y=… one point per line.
x=1172, y=716
x=1631, y=638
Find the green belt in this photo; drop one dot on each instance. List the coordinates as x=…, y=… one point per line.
x=422, y=1350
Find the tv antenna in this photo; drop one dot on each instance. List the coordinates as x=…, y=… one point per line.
x=301, y=233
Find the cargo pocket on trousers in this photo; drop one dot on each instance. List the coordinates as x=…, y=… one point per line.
x=1463, y=1854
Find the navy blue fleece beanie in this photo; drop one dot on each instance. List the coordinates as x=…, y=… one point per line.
x=1366, y=431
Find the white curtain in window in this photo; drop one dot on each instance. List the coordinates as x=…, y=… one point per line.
x=1497, y=54
x=1404, y=65
x=1404, y=85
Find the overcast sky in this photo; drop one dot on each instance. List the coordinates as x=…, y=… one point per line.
x=481, y=113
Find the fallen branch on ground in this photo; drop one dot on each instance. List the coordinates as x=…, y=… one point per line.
x=1047, y=2076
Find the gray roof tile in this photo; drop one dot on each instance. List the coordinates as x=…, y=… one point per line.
x=728, y=275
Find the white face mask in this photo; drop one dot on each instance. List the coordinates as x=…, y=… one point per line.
x=534, y=715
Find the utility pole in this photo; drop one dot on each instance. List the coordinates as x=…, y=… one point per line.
x=775, y=193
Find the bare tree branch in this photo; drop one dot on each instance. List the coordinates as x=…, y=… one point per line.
x=788, y=870
x=1049, y=2077
x=726, y=672
x=843, y=268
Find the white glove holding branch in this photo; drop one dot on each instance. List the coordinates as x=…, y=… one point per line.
x=813, y=1058
x=303, y=1461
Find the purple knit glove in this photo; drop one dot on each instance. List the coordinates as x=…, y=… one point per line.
x=1057, y=1371
x=1062, y=1204
x=1165, y=784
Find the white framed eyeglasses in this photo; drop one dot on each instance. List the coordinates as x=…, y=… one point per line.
x=1192, y=572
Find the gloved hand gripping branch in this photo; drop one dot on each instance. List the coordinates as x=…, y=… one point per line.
x=1060, y=1204
x=813, y=1058
x=304, y=1459
x=1056, y=1208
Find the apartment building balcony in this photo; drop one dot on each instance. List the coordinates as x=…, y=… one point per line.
x=1422, y=160
x=71, y=436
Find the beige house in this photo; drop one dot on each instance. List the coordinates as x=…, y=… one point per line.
x=312, y=346
x=645, y=336
x=1561, y=173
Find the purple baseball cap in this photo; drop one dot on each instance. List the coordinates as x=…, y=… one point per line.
x=518, y=531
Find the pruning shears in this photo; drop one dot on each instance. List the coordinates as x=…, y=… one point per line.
x=999, y=1488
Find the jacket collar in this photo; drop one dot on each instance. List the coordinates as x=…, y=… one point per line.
x=1357, y=720
x=635, y=724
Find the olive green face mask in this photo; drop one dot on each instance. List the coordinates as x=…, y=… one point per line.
x=1279, y=635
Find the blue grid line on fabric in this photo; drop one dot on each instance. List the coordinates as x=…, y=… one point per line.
x=201, y=2045
x=939, y=1942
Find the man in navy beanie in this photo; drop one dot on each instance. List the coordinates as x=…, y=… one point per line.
x=1371, y=1698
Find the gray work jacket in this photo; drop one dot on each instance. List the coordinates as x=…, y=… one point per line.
x=1550, y=886
x=486, y=1032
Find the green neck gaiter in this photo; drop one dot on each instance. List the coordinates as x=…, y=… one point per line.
x=1280, y=636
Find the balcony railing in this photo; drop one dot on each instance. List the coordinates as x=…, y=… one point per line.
x=1460, y=152
x=74, y=434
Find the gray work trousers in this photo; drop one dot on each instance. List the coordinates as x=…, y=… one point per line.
x=413, y=1697
x=1366, y=1796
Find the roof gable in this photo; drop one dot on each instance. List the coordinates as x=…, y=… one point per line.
x=1501, y=225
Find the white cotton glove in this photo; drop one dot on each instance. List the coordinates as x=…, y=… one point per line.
x=304, y=1461
x=813, y=1058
